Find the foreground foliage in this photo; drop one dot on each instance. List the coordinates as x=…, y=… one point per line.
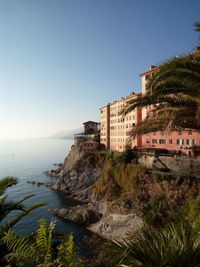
x=6, y=207
x=177, y=245
x=37, y=250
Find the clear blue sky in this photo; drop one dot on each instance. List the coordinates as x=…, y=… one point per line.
x=61, y=60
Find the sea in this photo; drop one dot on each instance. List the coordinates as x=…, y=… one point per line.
x=28, y=159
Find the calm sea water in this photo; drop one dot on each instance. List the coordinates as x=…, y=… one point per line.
x=27, y=160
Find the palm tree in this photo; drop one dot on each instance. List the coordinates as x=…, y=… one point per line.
x=197, y=26
x=6, y=207
x=173, y=92
x=177, y=245
x=37, y=250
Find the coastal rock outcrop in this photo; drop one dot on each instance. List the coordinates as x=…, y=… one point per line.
x=82, y=215
x=116, y=226
x=117, y=194
x=77, y=177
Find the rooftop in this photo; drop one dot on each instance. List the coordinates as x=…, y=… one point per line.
x=151, y=70
x=131, y=95
x=90, y=122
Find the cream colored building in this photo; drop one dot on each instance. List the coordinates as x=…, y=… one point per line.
x=115, y=127
x=105, y=125
x=144, y=78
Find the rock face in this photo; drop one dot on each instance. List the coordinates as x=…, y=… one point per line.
x=74, y=182
x=116, y=226
x=82, y=215
x=73, y=156
x=68, y=165
x=76, y=177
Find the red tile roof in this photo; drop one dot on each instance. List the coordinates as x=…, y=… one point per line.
x=149, y=71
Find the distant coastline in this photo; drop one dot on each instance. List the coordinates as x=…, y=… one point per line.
x=66, y=134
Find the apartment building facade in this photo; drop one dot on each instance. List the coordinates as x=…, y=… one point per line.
x=181, y=140
x=115, y=127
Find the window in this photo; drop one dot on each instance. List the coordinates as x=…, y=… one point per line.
x=170, y=141
x=154, y=141
x=179, y=132
x=161, y=133
x=147, y=141
x=161, y=141
x=180, y=142
x=146, y=77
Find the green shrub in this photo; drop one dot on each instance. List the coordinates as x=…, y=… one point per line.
x=192, y=212
x=117, y=178
x=196, y=150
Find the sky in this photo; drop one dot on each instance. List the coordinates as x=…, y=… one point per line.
x=61, y=60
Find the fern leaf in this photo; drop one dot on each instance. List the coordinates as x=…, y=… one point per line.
x=20, y=246
x=66, y=251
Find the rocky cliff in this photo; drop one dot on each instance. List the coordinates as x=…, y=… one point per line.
x=118, y=191
x=77, y=177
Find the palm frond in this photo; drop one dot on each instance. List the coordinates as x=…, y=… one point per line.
x=13, y=221
x=25, y=198
x=175, y=245
x=7, y=182
x=197, y=26
x=173, y=94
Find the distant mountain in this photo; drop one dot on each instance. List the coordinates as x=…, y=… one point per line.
x=67, y=134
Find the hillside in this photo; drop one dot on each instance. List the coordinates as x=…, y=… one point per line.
x=119, y=192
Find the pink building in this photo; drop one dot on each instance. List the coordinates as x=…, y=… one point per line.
x=89, y=146
x=182, y=140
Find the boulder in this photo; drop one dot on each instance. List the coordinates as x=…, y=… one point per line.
x=116, y=226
